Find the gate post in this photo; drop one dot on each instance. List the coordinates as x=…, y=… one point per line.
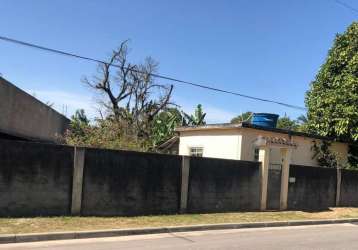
x=285, y=173
x=185, y=168
x=338, y=189
x=77, y=183
x=264, y=158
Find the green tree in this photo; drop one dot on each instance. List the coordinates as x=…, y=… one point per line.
x=332, y=100
x=164, y=126
x=285, y=122
x=302, y=119
x=78, y=130
x=324, y=156
x=102, y=133
x=197, y=119
x=79, y=117
x=303, y=123
x=244, y=117
x=353, y=156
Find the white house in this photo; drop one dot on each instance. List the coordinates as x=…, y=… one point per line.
x=275, y=148
x=242, y=142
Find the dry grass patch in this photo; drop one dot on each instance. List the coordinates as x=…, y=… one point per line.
x=56, y=224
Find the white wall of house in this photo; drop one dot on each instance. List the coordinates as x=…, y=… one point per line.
x=301, y=155
x=225, y=144
x=239, y=144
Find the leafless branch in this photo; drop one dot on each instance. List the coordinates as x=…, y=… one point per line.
x=132, y=94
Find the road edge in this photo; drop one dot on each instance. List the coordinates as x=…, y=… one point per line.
x=33, y=237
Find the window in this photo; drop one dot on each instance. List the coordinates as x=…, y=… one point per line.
x=196, y=151
x=256, y=154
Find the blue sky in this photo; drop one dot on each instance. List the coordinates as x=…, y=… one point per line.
x=266, y=48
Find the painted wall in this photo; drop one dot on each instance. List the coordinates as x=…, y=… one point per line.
x=349, y=188
x=23, y=115
x=314, y=188
x=225, y=144
x=238, y=144
x=35, y=179
x=130, y=183
x=217, y=185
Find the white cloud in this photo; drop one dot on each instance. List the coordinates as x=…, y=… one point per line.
x=217, y=115
x=65, y=102
x=213, y=114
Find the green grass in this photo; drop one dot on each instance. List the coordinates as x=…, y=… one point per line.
x=57, y=224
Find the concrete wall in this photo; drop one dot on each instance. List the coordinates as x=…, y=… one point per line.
x=225, y=144
x=217, y=185
x=46, y=179
x=238, y=144
x=349, y=188
x=314, y=188
x=130, y=183
x=23, y=115
x=35, y=179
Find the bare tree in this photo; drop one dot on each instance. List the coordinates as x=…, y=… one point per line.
x=132, y=96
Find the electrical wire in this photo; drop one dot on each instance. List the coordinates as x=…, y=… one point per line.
x=203, y=86
x=346, y=6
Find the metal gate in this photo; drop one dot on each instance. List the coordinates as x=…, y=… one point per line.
x=274, y=186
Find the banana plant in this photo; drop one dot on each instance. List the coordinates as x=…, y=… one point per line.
x=194, y=120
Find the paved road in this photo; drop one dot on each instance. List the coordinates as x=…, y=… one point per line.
x=339, y=236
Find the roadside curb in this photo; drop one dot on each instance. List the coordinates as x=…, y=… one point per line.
x=18, y=238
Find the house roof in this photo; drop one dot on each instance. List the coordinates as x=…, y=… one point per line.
x=168, y=143
x=224, y=126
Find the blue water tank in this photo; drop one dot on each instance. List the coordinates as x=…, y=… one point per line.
x=265, y=120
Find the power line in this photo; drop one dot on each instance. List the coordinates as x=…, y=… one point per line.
x=346, y=5
x=64, y=53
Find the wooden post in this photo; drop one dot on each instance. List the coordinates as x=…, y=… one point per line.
x=77, y=183
x=264, y=158
x=185, y=168
x=285, y=174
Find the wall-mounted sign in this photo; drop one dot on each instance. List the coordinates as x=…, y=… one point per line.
x=292, y=180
